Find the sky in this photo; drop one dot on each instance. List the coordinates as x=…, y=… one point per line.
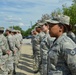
x=25, y=13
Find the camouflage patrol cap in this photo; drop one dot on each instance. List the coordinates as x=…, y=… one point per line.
x=9, y=29
x=1, y=28
x=63, y=19
x=37, y=26
x=18, y=31
x=52, y=21
x=42, y=23
x=13, y=30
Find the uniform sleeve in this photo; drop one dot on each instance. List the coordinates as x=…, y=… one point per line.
x=21, y=39
x=70, y=56
x=37, y=40
x=72, y=36
x=4, y=45
x=17, y=44
x=10, y=43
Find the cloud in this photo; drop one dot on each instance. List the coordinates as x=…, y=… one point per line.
x=21, y=24
x=12, y=19
x=21, y=12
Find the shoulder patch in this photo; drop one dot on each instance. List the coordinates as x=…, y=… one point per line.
x=71, y=52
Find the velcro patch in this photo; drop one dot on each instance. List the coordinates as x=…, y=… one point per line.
x=71, y=52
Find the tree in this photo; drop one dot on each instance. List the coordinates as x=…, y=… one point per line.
x=16, y=27
x=70, y=11
x=74, y=1
x=28, y=31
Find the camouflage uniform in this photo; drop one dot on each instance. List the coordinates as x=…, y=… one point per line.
x=72, y=36
x=11, y=48
x=32, y=41
x=37, y=41
x=62, y=54
x=3, y=69
x=15, y=54
x=44, y=47
x=36, y=49
x=62, y=57
x=17, y=47
x=4, y=47
x=19, y=37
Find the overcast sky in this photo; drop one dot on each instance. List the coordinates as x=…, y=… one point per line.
x=23, y=12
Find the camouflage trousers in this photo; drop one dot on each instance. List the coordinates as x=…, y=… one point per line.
x=44, y=64
x=3, y=66
x=9, y=63
x=37, y=59
x=16, y=57
x=3, y=70
x=43, y=69
x=19, y=54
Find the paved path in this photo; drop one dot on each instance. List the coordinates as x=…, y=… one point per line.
x=25, y=66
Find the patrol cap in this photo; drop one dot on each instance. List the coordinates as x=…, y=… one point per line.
x=63, y=19
x=14, y=31
x=18, y=31
x=42, y=23
x=1, y=28
x=37, y=26
x=9, y=29
x=52, y=21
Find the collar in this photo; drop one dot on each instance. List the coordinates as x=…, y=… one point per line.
x=57, y=41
